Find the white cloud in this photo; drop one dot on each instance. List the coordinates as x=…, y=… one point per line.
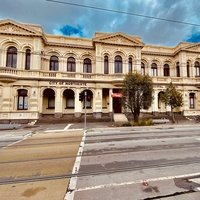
x=51, y=16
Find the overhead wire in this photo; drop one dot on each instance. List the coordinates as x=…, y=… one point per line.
x=123, y=12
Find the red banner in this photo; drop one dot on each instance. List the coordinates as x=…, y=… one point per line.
x=116, y=95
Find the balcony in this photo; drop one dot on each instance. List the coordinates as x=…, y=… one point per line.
x=12, y=75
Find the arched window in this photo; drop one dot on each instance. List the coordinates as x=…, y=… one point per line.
x=11, y=59
x=166, y=70
x=154, y=69
x=118, y=64
x=71, y=64
x=142, y=68
x=53, y=63
x=87, y=66
x=130, y=65
x=197, y=68
x=22, y=103
x=177, y=69
x=27, y=59
x=188, y=69
x=106, y=65
x=192, y=100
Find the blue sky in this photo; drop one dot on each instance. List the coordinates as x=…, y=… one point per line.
x=84, y=22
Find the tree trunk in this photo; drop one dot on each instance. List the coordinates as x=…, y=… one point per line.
x=173, y=116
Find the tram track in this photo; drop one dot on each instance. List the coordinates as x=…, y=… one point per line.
x=112, y=151
x=6, y=181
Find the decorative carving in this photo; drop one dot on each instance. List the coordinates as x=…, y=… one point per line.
x=10, y=28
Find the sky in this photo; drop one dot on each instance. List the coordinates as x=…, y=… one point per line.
x=79, y=21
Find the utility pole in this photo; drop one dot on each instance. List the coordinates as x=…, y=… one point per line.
x=85, y=99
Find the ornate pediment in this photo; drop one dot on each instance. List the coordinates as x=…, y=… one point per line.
x=193, y=47
x=11, y=27
x=119, y=39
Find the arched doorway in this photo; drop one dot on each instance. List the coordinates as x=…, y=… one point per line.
x=68, y=101
x=48, y=105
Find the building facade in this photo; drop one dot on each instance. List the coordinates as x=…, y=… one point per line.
x=42, y=74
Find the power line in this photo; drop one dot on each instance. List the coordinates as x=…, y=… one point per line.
x=123, y=12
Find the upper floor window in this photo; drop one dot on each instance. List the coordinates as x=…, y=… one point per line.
x=166, y=70
x=130, y=65
x=142, y=68
x=188, y=69
x=87, y=66
x=11, y=59
x=106, y=65
x=154, y=69
x=22, y=103
x=197, y=68
x=192, y=100
x=118, y=64
x=71, y=64
x=53, y=63
x=27, y=59
x=178, y=69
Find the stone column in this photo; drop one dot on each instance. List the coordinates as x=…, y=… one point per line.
x=58, y=103
x=155, y=102
x=97, y=103
x=110, y=101
x=78, y=104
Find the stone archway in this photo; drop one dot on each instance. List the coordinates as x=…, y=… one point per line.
x=48, y=103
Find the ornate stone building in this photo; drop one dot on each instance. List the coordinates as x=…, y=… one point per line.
x=43, y=74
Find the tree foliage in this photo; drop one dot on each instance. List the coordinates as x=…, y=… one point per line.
x=137, y=93
x=173, y=98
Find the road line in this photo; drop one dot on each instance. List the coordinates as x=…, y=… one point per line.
x=135, y=182
x=67, y=127
x=73, y=181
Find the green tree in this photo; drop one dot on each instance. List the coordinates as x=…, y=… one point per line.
x=173, y=98
x=137, y=93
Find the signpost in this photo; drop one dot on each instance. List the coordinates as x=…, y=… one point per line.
x=85, y=99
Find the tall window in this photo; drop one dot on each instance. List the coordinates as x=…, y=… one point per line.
x=154, y=69
x=177, y=69
x=166, y=70
x=142, y=68
x=188, y=69
x=71, y=64
x=130, y=65
x=106, y=65
x=191, y=100
x=27, y=59
x=197, y=68
x=87, y=66
x=22, y=103
x=11, y=59
x=118, y=64
x=53, y=63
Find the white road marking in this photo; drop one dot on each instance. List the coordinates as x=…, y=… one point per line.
x=67, y=126
x=18, y=141
x=73, y=181
x=136, y=182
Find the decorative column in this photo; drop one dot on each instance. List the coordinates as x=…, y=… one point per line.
x=58, y=103
x=78, y=104
x=110, y=101
x=155, y=102
x=97, y=103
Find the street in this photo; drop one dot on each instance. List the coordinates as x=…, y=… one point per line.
x=37, y=166
x=139, y=163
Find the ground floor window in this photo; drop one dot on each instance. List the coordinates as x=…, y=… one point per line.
x=22, y=103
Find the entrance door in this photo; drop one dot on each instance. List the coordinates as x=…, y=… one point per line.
x=117, y=105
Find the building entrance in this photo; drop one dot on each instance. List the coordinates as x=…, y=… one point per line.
x=117, y=105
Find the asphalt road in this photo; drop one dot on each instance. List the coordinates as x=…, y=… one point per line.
x=38, y=166
x=139, y=163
